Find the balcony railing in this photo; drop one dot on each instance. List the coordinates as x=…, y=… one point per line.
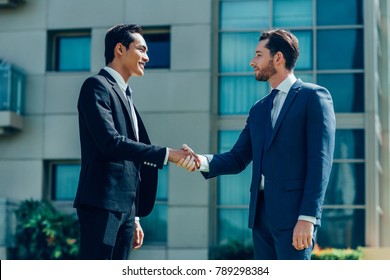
x=12, y=91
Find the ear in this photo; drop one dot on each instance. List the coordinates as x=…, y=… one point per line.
x=119, y=48
x=279, y=58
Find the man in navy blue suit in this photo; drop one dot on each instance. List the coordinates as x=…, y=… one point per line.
x=289, y=136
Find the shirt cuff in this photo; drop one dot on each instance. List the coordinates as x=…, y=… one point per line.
x=136, y=218
x=204, y=164
x=308, y=219
x=166, y=156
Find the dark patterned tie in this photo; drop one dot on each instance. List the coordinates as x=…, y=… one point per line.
x=134, y=121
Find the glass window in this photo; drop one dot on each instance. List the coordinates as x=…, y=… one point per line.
x=233, y=192
x=349, y=144
x=233, y=225
x=346, y=184
x=65, y=178
x=305, y=59
x=239, y=93
x=308, y=78
x=336, y=12
x=293, y=13
x=155, y=225
x=340, y=49
x=74, y=53
x=69, y=50
x=236, y=51
x=347, y=91
x=159, y=49
x=233, y=189
x=239, y=14
x=342, y=228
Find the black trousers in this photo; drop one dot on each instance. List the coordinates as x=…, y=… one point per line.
x=105, y=235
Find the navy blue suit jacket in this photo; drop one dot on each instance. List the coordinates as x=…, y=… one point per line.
x=296, y=163
x=116, y=169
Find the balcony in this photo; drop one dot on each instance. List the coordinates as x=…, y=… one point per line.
x=10, y=3
x=12, y=89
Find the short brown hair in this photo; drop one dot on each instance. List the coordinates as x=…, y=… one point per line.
x=282, y=41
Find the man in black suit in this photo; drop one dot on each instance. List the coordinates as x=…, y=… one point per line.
x=118, y=178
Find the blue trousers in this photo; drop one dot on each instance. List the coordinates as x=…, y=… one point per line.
x=270, y=243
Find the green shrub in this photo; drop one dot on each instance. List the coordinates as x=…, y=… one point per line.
x=235, y=250
x=337, y=254
x=231, y=250
x=43, y=233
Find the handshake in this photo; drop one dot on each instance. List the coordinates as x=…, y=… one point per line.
x=185, y=157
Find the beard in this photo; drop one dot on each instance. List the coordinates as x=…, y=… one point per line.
x=266, y=73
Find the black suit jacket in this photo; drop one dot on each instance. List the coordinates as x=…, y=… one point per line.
x=116, y=170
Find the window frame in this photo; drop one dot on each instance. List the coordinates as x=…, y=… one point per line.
x=155, y=31
x=53, y=50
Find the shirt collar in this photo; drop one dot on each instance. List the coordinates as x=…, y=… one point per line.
x=118, y=78
x=286, y=85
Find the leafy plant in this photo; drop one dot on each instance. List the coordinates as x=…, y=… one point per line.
x=44, y=233
x=235, y=250
x=231, y=250
x=336, y=254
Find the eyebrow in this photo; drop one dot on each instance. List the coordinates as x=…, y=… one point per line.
x=144, y=47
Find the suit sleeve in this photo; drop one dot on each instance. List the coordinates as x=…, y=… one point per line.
x=95, y=107
x=321, y=126
x=234, y=161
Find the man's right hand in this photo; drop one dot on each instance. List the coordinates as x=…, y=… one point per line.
x=186, y=156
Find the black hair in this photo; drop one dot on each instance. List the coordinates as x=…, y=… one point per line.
x=121, y=33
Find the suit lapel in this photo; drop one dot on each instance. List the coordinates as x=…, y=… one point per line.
x=287, y=103
x=119, y=93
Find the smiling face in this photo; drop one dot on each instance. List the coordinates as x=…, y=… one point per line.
x=263, y=62
x=135, y=56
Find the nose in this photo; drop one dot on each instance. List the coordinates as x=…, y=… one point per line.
x=251, y=63
x=146, y=57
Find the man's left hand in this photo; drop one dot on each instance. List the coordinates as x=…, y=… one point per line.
x=138, y=237
x=303, y=235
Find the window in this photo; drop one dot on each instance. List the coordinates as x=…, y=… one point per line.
x=63, y=180
x=347, y=91
x=69, y=51
x=233, y=197
x=336, y=12
x=155, y=225
x=159, y=48
x=343, y=215
x=239, y=25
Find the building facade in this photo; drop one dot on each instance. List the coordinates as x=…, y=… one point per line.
x=197, y=89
